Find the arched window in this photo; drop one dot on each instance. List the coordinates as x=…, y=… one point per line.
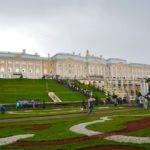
x=9, y=69
x=17, y=70
x=2, y=69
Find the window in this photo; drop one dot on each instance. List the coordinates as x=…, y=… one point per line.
x=69, y=71
x=1, y=76
x=59, y=65
x=30, y=70
x=9, y=76
x=23, y=63
x=17, y=62
x=9, y=61
x=2, y=69
x=17, y=70
x=37, y=71
x=23, y=70
x=45, y=71
x=9, y=69
x=2, y=61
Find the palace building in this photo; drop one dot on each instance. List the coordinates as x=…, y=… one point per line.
x=68, y=65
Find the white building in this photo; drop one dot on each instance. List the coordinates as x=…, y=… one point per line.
x=69, y=66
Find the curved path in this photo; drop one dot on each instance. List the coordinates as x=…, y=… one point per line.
x=128, y=139
x=81, y=128
x=12, y=139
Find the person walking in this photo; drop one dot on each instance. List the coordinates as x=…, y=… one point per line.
x=91, y=104
x=148, y=98
x=83, y=106
x=17, y=104
x=2, y=109
x=145, y=102
x=141, y=101
x=33, y=104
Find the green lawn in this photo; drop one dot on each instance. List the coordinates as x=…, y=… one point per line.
x=25, y=113
x=60, y=130
x=26, y=89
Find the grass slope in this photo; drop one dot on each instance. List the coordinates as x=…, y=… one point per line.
x=25, y=89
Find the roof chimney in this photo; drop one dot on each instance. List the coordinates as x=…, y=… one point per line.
x=24, y=51
x=87, y=53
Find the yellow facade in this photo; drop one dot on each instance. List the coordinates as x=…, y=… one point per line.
x=69, y=66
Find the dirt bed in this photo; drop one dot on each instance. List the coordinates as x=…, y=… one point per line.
x=29, y=127
x=112, y=147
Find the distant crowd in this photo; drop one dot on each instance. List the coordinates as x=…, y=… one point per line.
x=111, y=99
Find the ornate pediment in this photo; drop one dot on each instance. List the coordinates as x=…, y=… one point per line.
x=18, y=57
x=69, y=60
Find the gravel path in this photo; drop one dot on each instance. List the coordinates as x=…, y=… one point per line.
x=129, y=139
x=81, y=128
x=54, y=97
x=11, y=139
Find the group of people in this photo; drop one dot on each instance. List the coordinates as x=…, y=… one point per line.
x=90, y=105
x=22, y=103
x=117, y=100
x=75, y=87
x=143, y=101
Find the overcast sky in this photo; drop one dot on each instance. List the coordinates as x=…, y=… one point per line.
x=112, y=28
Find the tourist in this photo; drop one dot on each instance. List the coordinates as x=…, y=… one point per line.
x=83, y=106
x=91, y=104
x=2, y=109
x=148, y=98
x=33, y=103
x=145, y=103
x=128, y=98
x=141, y=101
x=114, y=97
x=17, y=104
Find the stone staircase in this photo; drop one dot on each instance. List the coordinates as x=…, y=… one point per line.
x=54, y=97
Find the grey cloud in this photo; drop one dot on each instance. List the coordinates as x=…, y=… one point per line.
x=113, y=28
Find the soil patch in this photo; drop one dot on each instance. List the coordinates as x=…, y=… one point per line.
x=29, y=126
x=131, y=126
x=114, y=147
x=135, y=126
x=49, y=143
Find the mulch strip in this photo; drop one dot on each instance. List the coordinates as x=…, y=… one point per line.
x=29, y=126
x=113, y=147
x=135, y=126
